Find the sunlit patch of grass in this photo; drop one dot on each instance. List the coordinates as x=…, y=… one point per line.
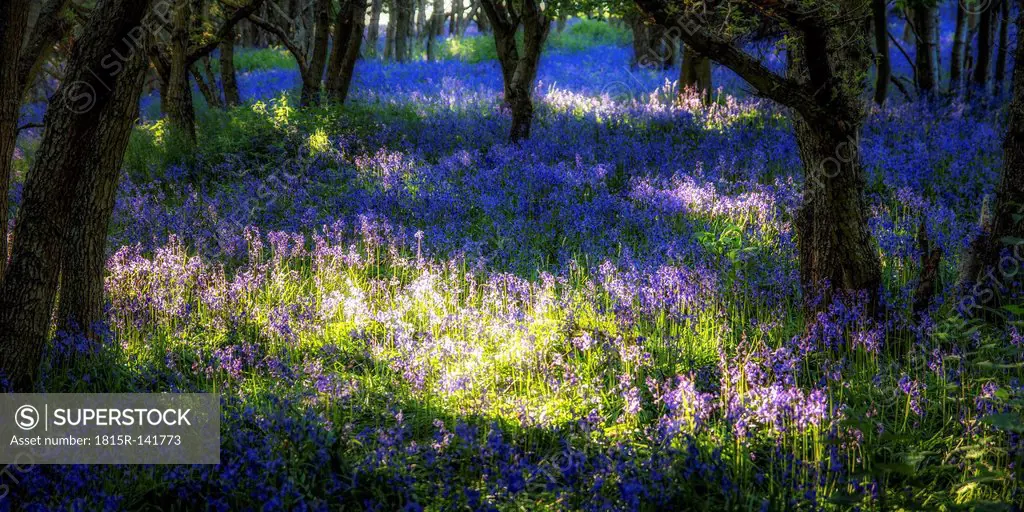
x=580, y=36
x=255, y=59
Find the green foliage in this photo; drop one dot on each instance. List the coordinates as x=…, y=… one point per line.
x=256, y=128
x=577, y=37
x=473, y=49
x=586, y=34
x=252, y=59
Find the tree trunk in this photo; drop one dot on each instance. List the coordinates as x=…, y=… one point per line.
x=207, y=86
x=314, y=70
x=340, y=40
x=162, y=68
x=837, y=255
x=641, y=42
x=70, y=140
x=421, y=17
x=695, y=74
x=562, y=20
x=927, y=42
x=508, y=58
x=227, y=71
x=908, y=29
x=482, y=25
x=518, y=70
x=535, y=30
x=993, y=261
x=403, y=26
x=389, y=31
x=984, y=51
x=180, y=112
x=13, y=21
x=1004, y=44
x=348, y=36
x=883, y=65
x=84, y=253
x=436, y=29
x=956, y=64
x=454, y=28
x=1010, y=194
x=665, y=47
x=836, y=251
x=50, y=27
x=373, y=29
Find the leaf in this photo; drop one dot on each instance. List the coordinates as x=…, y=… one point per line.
x=899, y=467
x=845, y=498
x=987, y=506
x=1005, y=421
x=1014, y=308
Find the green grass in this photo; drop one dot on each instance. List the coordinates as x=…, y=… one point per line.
x=253, y=59
x=577, y=37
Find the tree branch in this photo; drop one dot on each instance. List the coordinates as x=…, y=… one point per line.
x=910, y=61
x=223, y=32
x=499, y=16
x=282, y=36
x=51, y=27
x=690, y=28
x=27, y=126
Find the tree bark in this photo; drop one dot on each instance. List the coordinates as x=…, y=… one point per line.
x=883, y=65
x=642, y=49
x=421, y=17
x=994, y=260
x=403, y=28
x=180, y=112
x=664, y=46
x=348, y=37
x=70, y=140
x=908, y=30
x=927, y=43
x=973, y=21
x=314, y=69
x=50, y=27
x=984, y=51
x=228, y=76
x=373, y=29
x=836, y=252
x=1004, y=44
x=695, y=74
x=482, y=25
x=13, y=22
x=508, y=57
x=84, y=254
x=518, y=70
x=455, y=27
x=1010, y=194
x=436, y=29
x=207, y=84
x=390, y=31
x=956, y=64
